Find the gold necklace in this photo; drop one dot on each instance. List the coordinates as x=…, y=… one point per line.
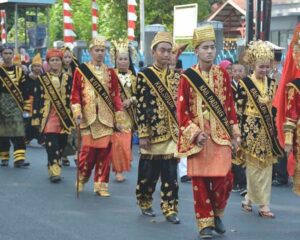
x=264, y=96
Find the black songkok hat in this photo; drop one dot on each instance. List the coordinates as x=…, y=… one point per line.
x=6, y=46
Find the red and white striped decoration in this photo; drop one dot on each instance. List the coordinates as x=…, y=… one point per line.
x=95, y=16
x=132, y=17
x=69, y=34
x=2, y=25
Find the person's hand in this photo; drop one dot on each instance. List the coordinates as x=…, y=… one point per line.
x=127, y=103
x=26, y=114
x=145, y=143
x=236, y=142
x=78, y=119
x=119, y=127
x=201, y=139
x=288, y=148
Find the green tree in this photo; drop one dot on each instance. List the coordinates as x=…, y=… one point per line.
x=113, y=17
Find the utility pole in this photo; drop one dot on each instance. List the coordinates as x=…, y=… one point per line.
x=249, y=21
x=142, y=26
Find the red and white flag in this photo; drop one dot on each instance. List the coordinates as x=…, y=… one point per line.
x=2, y=25
x=69, y=34
x=95, y=16
x=132, y=17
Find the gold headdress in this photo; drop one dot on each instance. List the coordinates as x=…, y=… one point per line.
x=17, y=59
x=162, y=37
x=118, y=47
x=37, y=60
x=203, y=34
x=97, y=41
x=258, y=51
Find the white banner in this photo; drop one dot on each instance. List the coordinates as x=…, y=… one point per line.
x=185, y=20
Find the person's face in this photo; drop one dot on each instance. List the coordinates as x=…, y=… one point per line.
x=7, y=55
x=262, y=69
x=36, y=68
x=238, y=71
x=98, y=54
x=206, y=52
x=55, y=64
x=67, y=59
x=123, y=62
x=162, y=53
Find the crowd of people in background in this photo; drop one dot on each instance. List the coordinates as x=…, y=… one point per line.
x=232, y=127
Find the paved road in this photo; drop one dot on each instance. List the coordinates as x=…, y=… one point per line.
x=31, y=208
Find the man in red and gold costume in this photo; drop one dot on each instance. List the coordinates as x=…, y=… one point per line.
x=207, y=129
x=97, y=107
x=287, y=102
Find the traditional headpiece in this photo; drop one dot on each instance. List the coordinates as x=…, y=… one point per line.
x=178, y=49
x=203, y=34
x=259, y=51
x=118, y=47
x=6, y=46
x=97, y=41
x=17, y=59
x=224, y=64
x=162, y=37
x=37, y=60
x=53, y=52
x=64, y=49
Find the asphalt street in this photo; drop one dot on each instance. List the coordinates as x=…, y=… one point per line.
x=31, y=208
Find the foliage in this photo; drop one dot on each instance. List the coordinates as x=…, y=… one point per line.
x=113, y=17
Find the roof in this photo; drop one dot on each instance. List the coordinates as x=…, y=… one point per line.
x=231, y=14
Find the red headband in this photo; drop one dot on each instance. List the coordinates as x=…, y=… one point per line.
x=53, y=52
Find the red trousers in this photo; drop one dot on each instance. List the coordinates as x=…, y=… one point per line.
x=210, y=198
x=100, y=158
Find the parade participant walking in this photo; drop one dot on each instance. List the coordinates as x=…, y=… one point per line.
x=32, y=126
x=259, y=147
x=53, y=109
x=97, y=107
x=207, y=129
x=157, y=129
x=69, y=64
x=121, y=53
x=287, y=102
x=14, y=104
x=239, y=176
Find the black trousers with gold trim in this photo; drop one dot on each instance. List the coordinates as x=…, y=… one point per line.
x=19, y=148
x=55, y=144
x=149, y=171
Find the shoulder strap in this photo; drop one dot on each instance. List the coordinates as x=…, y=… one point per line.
x=209, y=97
x=12, y=88
x=262, y=108
x=161, y=90
x=97, y=85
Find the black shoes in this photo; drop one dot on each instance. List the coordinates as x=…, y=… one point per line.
x=148, y=212
x=185, y=178
x=21, y=164
x=173, y=218
x=219, y=226
x=65, y=161
x=55, y=179
x=243, y=192
x=277, y=183
x=206, y=233
x=4, y=163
